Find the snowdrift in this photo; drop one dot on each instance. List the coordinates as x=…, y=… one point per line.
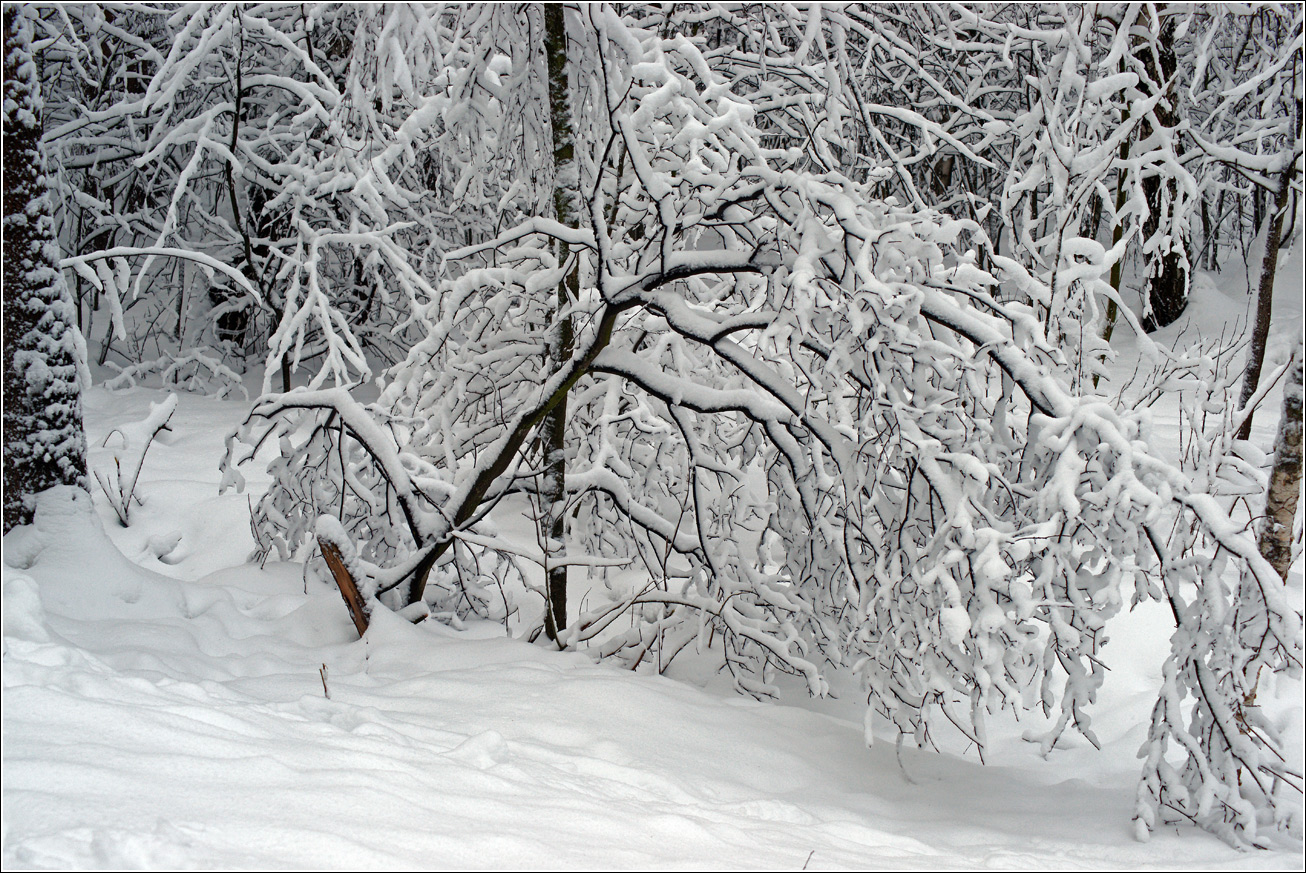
x=235, y=722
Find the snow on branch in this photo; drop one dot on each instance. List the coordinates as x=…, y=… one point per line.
x=839, y=430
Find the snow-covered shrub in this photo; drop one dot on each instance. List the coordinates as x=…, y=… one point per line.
x=199, y=370
x=1234, y=623
x=134, y=441
x=333, y=458
x=841, y=442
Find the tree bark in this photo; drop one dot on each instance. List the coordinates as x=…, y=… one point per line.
x=1167, y=283
x=1265, y=297
x=1275, y=535
x=348, y=585
x=554, y=437
x=44, y=441
x=1117, y=231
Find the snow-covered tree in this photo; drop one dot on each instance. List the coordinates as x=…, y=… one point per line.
x=1235, y=628
x=44, y=442
x=1241, y=102
x=249, y=140
x=1243, y=105
x=834, y=439
x=790, y=307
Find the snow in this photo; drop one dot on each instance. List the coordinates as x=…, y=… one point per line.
x=152, y=722
x=167, y=705
x=177, y=703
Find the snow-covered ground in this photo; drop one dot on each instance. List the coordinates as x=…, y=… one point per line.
x=167, y=705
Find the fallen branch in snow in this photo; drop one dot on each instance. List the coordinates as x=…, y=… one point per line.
x=348, y=588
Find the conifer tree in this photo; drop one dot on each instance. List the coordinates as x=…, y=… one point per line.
x=44, y=443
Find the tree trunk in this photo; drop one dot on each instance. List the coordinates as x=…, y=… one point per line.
x=1275, y=535
x=1207, y=230
x=1117, y=231
x=44, y=441
x=347, y=584
x=1213, y=256
x=554, y=437
x=1265, y=297
x=1167, y=283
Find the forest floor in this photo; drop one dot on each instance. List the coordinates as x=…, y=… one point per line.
x=167, y=705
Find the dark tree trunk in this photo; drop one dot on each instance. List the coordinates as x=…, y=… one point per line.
x=1265, y=298
x=554, y=436
x=1207, y=230
x=44, y=442
x=1167, y=282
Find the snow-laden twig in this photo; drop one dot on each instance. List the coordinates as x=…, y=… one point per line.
x=129, y=457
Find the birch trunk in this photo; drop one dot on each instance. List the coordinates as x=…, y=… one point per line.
x=1275, y=535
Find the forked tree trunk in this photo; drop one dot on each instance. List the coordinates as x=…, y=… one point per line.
x=554, y=436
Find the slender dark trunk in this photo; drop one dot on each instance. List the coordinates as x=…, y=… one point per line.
x=1213, y=256
x=1205, y=260
x=248, y=253
x=554, y=436
x=1117, y=232
x=1265, y=296
x=1167, y=282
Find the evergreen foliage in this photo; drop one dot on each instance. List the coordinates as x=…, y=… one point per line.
x=45, y=444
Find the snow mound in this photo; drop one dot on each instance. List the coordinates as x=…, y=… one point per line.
x=237, y=722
